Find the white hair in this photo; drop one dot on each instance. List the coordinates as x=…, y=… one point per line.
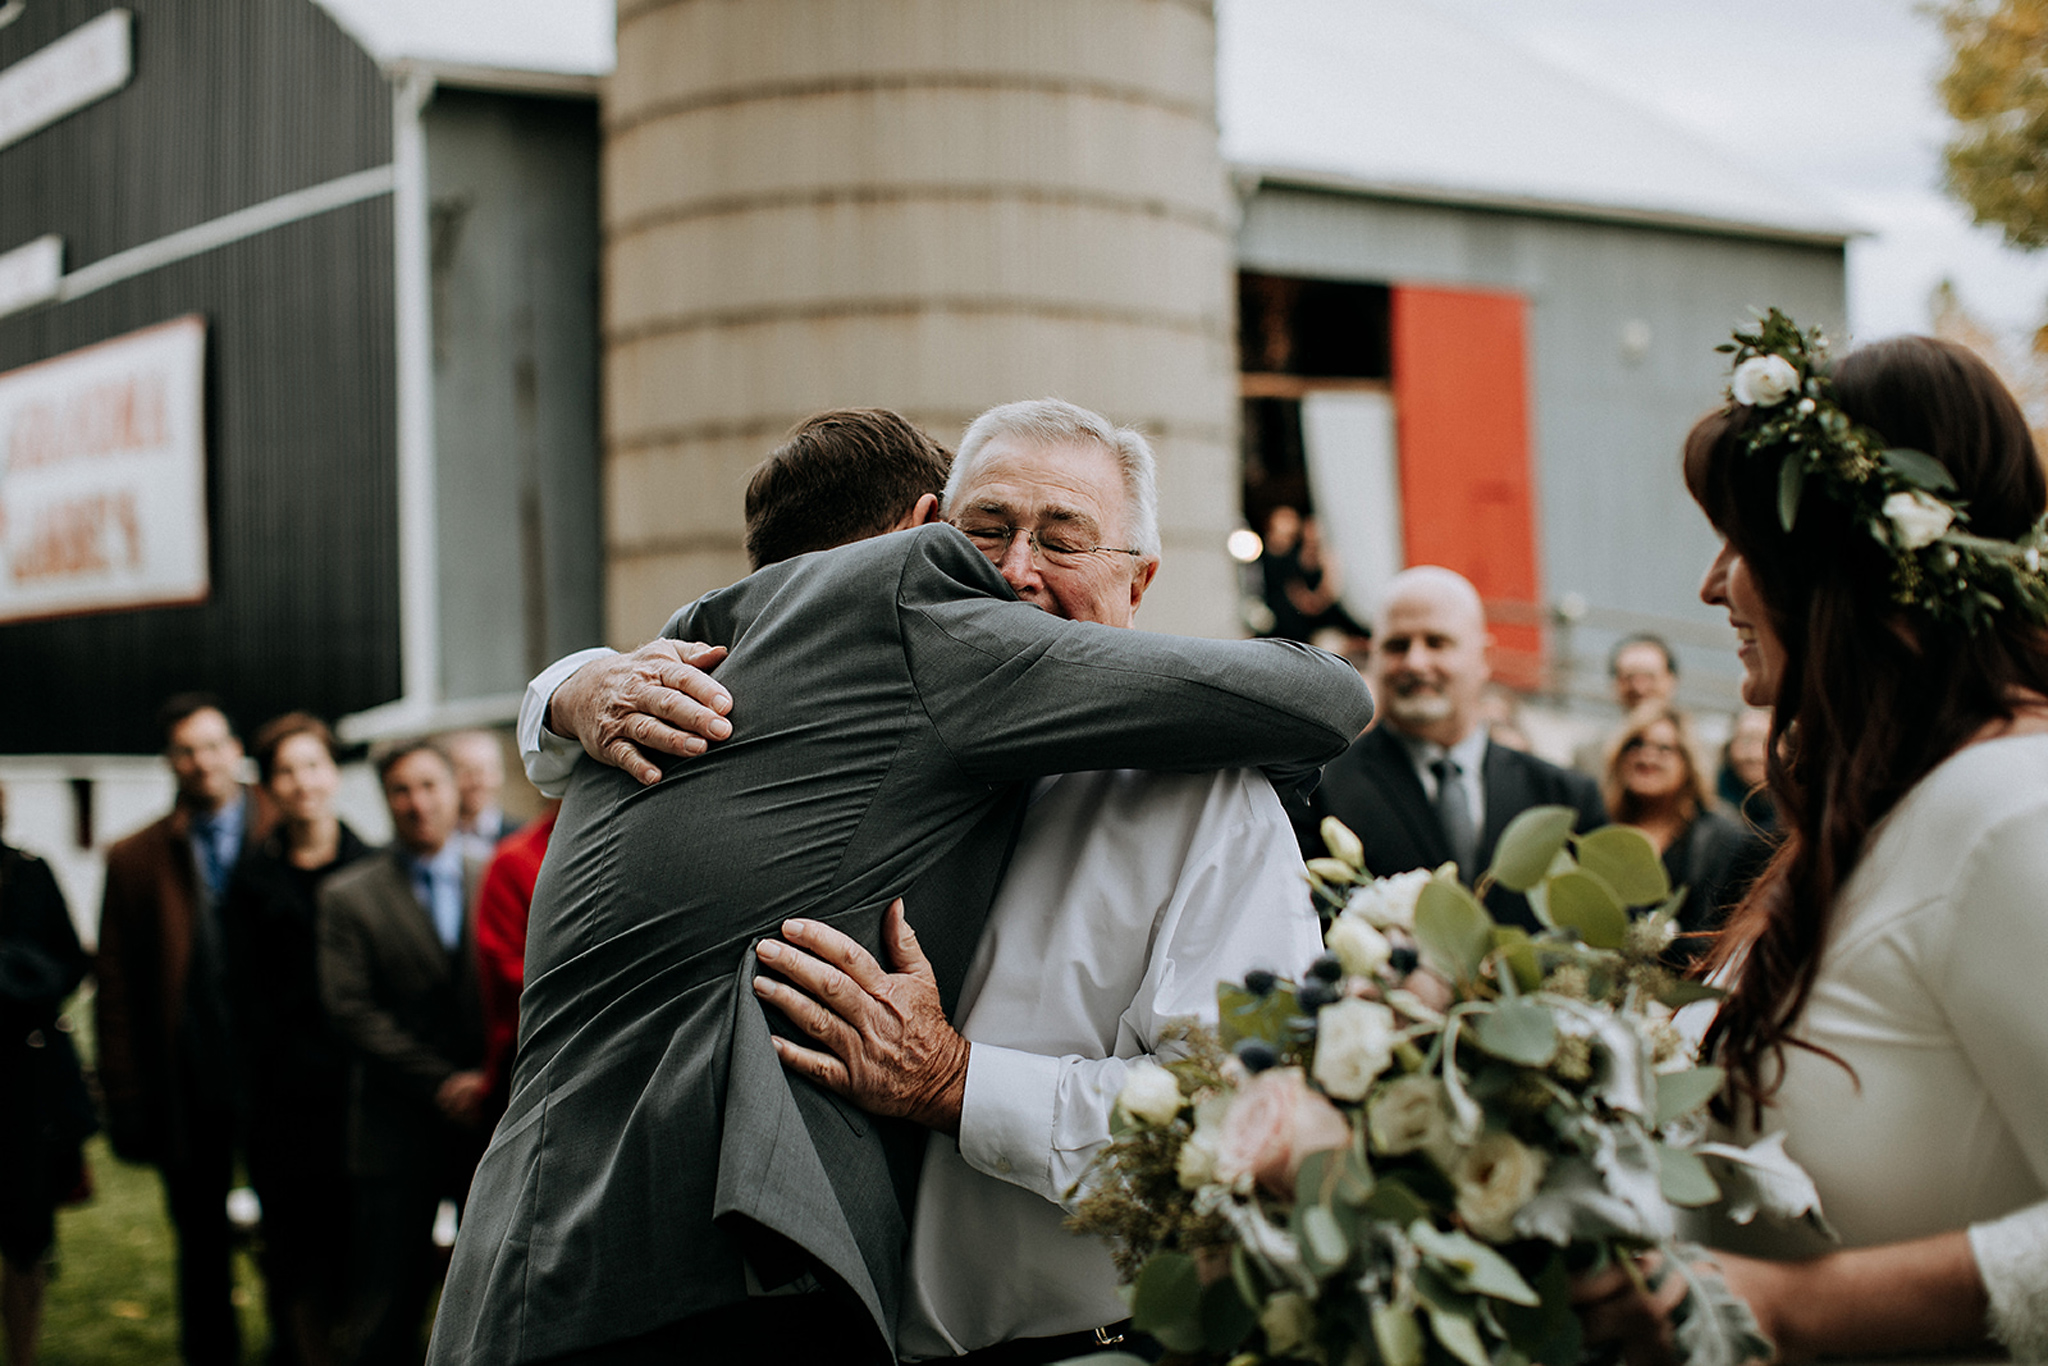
x=1055, y=422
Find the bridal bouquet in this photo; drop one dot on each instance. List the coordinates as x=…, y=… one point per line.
x=1345, y=1172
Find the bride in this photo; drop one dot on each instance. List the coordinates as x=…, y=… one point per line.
x=1889, y=970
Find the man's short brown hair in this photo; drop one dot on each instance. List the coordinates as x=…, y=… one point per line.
x=839, y=477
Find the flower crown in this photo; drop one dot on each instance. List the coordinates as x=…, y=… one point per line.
x=1905, y=498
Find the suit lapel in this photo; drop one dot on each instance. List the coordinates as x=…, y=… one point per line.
x=411, y=925
x=1507, y=795
x=1387, y=758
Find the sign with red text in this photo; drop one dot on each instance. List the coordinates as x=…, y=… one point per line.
x=103, y=476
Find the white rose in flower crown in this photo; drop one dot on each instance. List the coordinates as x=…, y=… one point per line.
x=1150, y=1095
x=1494, y=1178
x=1917, y=520
x=1407, y=1114
x=1764, y=381
x=1389, y=900
x=1354, y=1043
x=1362, y=949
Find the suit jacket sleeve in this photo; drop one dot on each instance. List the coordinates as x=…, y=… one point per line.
x=348, y=989
x=1015, y=692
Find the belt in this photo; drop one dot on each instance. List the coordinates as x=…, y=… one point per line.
x=1061, y=1347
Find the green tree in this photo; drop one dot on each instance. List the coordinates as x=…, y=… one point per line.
x=1996, y=88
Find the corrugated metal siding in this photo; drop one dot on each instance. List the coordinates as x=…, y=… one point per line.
x=232, y=103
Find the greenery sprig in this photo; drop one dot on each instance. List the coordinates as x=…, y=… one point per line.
x=1904, y=498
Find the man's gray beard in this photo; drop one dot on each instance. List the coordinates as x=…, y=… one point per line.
x=1417, y=710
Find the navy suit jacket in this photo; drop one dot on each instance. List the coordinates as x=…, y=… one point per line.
x=1373, y=788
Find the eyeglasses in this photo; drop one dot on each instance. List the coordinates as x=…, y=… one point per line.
x=994, y=540
x=1639, y=744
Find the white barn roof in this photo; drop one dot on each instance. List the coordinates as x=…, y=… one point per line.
x=1394, y=97
x=516, y=44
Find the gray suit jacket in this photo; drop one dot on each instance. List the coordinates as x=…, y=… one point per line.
x=408, y=1008
x=892, y=695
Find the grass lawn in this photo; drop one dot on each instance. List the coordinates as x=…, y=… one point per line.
x=114, y=1298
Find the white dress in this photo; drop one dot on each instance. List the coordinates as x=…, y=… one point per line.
x=1933, y=988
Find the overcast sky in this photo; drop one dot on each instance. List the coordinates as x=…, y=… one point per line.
x=1836, y=96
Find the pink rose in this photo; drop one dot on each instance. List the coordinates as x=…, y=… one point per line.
x=1276, y=1121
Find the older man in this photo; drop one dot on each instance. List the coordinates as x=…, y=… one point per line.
x=1426, y=785
x=892, y=693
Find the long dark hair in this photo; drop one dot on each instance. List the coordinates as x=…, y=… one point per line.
x=1872, y=695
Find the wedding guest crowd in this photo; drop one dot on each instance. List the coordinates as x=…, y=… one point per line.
x=273, y=997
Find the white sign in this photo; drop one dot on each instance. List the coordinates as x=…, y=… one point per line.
x=103, y=476
x=29, y=274
x=89, y=63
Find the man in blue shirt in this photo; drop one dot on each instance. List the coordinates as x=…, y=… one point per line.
x=398, y=976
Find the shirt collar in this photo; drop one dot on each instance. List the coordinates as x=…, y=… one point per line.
x=443, y=864
x=1469, y=753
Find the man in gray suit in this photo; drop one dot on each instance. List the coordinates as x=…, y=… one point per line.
x=657, y=1165
x=398, y=977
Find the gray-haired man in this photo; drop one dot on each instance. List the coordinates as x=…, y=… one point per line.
x=993, y=696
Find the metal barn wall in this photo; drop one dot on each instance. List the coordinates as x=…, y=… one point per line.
x=513, y=211
x=232, y=103
x=1624, y=319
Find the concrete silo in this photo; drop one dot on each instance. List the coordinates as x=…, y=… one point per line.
x=929, y=205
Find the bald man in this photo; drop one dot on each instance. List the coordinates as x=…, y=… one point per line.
x=1425, y=785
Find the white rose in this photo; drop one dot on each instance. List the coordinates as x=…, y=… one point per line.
x=1354, y=1043
x=1390, y=900
x=1494, y=1178
x=1196, y=1165
x=1917, y=519
x=1151, y=1094
x=1764, y=381
x=1407, y=1114
x=1341, y=843
x=1362, y=949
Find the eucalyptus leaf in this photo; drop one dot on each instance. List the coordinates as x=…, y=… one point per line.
x=1226, y=1319
x=1683, y=993
x=1526, y=848
x=1791, y=483
x=1684, y=1178
x=1473, y=1266
x=1243, y=1014
x=1397, y=1334
x=1539, y=905
x=1518, y=1031
x=1453, y=928
x=1680, y=1093
x=1322, y=1238
x=1625, y=858
x=1551, y=1332
x=1919, y=469
x=1167, y=1301
x=1584, y=902
x=1392, y=1201
x=1459, y=1336
x=1525, y=969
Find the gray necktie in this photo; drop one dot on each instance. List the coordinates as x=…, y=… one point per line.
x=1454, y=809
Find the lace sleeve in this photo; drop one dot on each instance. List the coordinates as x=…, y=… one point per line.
x=2012, y=1257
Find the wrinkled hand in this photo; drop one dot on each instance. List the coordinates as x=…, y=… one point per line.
x=461, y=1096
x=888, y=1047
x=628, y=709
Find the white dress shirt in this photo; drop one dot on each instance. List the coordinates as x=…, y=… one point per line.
x=548, y=758
x=1129, y=897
